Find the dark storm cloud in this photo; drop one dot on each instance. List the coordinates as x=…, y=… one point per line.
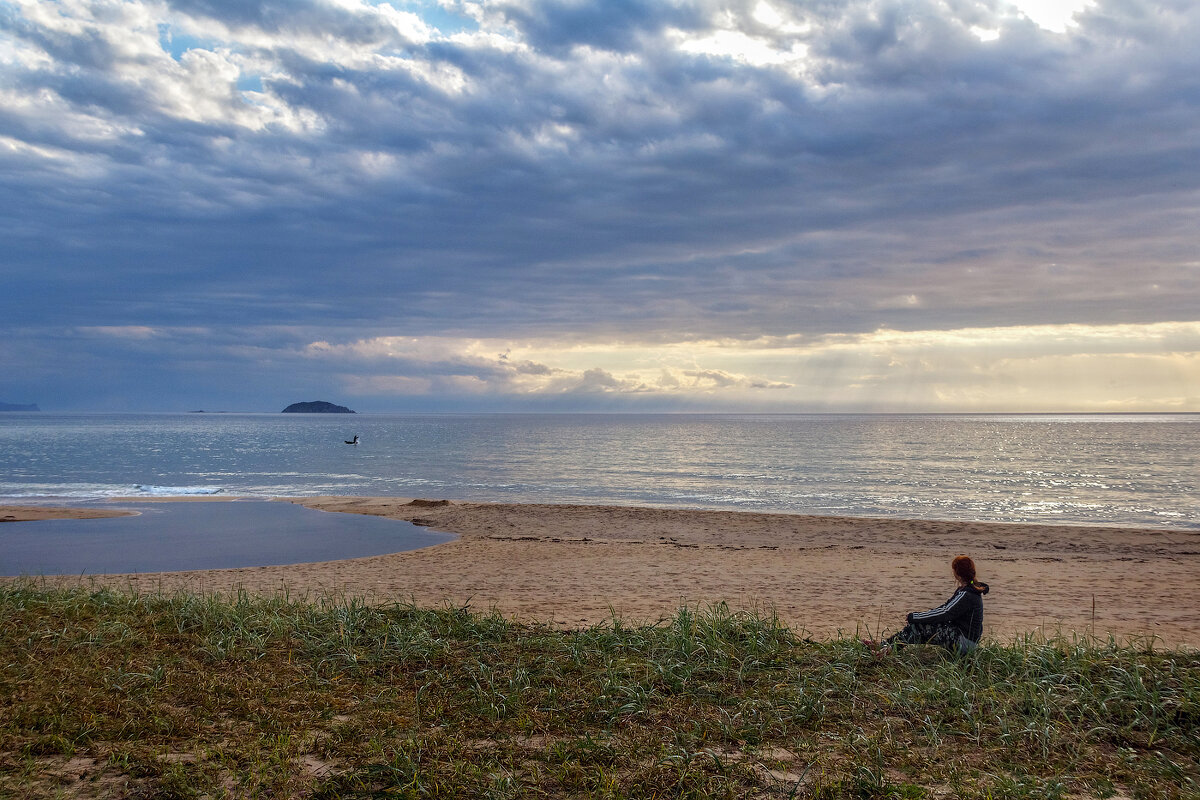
x=290, y=17
x=616, y=25
x=575, y=169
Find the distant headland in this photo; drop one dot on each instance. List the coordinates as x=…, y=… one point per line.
x=316, y=407
x=19, y=407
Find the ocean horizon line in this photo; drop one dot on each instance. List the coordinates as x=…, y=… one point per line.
x=617, y=413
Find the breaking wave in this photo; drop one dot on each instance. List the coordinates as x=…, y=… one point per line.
x=96, y=491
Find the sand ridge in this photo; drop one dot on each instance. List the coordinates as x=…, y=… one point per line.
x=33, y=513
x=579, y=564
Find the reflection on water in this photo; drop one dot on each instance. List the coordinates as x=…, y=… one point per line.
x=167, y=537
x=1127, y=469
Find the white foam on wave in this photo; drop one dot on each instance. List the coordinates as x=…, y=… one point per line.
x=177, y=491
x=101, y=491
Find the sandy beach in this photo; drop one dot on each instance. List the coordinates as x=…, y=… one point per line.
x=578, y=565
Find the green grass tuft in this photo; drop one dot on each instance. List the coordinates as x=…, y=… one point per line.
x=113, y=694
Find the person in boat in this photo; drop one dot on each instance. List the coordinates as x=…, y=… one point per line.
x=956, y=624
x=353, y=441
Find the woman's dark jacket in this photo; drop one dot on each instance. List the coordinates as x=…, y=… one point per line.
x=964, y=610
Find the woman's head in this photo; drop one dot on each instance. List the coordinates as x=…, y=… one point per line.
x=964, y=569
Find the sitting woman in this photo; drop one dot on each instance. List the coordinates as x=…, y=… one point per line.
x=956, y=624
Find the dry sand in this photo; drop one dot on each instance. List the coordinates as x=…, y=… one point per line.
x=577, y=565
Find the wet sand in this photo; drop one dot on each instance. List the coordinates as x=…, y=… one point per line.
x=30, y=513
x=578, y=565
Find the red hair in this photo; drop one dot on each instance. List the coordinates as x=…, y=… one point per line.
x=964, y=568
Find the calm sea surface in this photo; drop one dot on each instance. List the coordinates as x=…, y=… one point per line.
x=1105, y=469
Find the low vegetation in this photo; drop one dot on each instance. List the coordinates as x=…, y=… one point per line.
x=111, y=694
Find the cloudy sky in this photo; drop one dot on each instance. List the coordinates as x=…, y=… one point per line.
x=555, y=205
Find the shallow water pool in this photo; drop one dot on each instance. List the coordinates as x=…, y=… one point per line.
x=169, y=537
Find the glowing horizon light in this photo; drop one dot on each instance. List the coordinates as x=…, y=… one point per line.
x=1020, y=368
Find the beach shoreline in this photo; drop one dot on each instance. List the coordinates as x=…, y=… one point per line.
x=577, y=565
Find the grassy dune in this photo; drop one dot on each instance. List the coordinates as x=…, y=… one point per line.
x=109, y=694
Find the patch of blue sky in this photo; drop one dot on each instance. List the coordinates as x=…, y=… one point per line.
x=249, y=83
x=176, y=43
x=435, y=15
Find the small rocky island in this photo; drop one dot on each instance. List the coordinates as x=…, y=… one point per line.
x=316, y=407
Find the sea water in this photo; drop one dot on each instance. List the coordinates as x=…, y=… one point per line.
x=1082, y=469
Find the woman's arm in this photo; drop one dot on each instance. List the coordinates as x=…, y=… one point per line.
x=946, y=612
